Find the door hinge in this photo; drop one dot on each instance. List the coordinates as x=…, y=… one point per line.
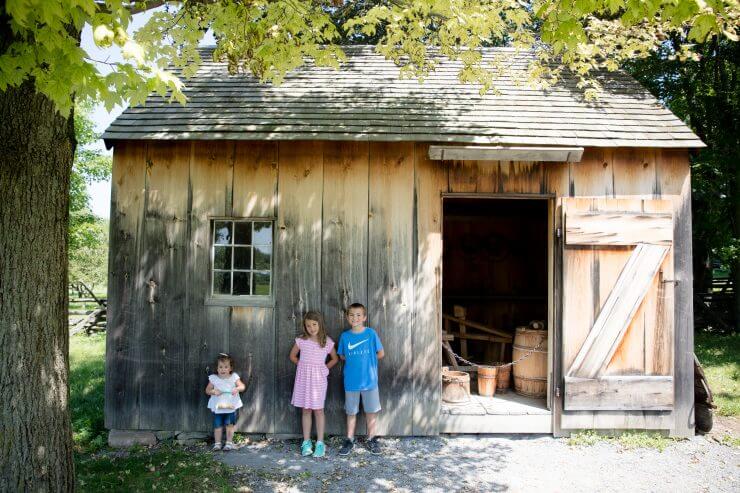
x=557, y=233
x=557, y=391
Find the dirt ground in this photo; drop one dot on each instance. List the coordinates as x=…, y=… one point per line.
x=493, y=463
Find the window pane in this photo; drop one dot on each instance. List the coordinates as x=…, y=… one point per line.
x=262, y=233
x=262, y=283
x=262, y=255
x=243, y=233
x=222, y=283
x=222, y=258
x=243, y=258
x=241, y=282
x=222, y=233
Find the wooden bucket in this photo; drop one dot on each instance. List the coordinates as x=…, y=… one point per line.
x=503, y=377
x=530, y=374
x=455, y=386
x=487, y=380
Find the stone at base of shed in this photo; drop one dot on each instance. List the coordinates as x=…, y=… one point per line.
x=129, y=438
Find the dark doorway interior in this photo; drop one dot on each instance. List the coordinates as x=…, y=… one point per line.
x=495, y=267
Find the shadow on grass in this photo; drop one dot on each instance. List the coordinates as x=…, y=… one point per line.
x=87, y=391
x=101, y=469
x=164, y=468
x=720, y=356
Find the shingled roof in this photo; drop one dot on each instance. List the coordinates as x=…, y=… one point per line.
x=366, y=100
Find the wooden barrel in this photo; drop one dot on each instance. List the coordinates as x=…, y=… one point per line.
x=530, y=374
x=455, y=386
x=503, y=377
x=487, y=380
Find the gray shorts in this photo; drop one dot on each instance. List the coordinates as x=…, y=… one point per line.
x=370, y=401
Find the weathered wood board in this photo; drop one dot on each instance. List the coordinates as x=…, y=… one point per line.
x=618, y=228
x=674, y=179
x=390, y=278
x=211, y=178
x=125, y=287
x=430, y=182
x=297, y=262
x=618, y=393
x=164, y=253
x=252, y=329
x=343, y=254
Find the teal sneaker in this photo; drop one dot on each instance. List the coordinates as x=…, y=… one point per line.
x=306, y=448
x=320, y=450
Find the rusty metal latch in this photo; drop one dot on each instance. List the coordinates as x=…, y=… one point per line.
x=664, y=281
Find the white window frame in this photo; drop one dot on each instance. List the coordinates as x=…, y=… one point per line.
x=244, y=299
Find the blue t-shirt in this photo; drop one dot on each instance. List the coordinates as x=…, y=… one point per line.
x=361, y=359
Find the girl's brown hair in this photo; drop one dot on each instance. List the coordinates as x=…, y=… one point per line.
x=227, y=358
x=316, y=317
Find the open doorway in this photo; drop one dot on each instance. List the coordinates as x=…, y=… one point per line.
x=496, y=272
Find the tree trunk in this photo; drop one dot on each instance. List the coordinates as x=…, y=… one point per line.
x=736, y=264
x=36, y=153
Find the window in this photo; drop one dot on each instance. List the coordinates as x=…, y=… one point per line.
x=241, y=257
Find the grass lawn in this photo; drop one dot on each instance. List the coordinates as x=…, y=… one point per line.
x=720, y=357
x=98, y=468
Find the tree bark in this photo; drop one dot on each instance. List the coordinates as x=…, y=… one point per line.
x=736, y=264
x=36, y=153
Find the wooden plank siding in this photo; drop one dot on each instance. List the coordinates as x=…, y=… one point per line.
x=343, y=254
x=125, y=288
x=164, y=252
x=354, y=221
x=390, y=284
x=252, y=329
x=297, y=262
x=430, y=182
x=210, y=195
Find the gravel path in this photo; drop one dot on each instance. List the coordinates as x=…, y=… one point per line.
x=489, y=464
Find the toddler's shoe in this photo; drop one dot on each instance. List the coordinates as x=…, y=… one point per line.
x=346, y=447
x=320, y=449
x=306, y=448
x=216, y=446
x=229, y=446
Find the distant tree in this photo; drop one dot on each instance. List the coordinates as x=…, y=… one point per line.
x=43, y=71
x=88, y=234
x=706, y=94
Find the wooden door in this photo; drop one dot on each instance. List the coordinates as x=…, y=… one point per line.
x=618, y=305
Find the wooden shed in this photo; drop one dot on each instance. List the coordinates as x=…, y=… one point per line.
x=234, y=215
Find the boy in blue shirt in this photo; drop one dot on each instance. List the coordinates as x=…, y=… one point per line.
x=360, y=349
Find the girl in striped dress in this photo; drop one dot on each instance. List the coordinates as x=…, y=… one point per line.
x=309, y=391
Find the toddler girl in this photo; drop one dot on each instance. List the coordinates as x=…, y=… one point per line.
x=309, y=390
x=224, y=388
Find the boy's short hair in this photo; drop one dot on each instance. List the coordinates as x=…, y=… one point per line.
x=357, y=305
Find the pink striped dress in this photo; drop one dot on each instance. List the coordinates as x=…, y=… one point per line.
x=309, y=390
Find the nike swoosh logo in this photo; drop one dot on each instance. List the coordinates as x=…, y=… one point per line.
x=352, y=346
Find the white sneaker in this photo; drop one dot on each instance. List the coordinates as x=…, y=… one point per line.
x=229, y=446
x=216, y=446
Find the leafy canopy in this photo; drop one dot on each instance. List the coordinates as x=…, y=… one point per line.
x=269, y=38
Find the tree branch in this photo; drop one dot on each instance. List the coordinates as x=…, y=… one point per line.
x=133, y=7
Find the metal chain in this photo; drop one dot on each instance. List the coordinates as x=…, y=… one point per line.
x=523, y=357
